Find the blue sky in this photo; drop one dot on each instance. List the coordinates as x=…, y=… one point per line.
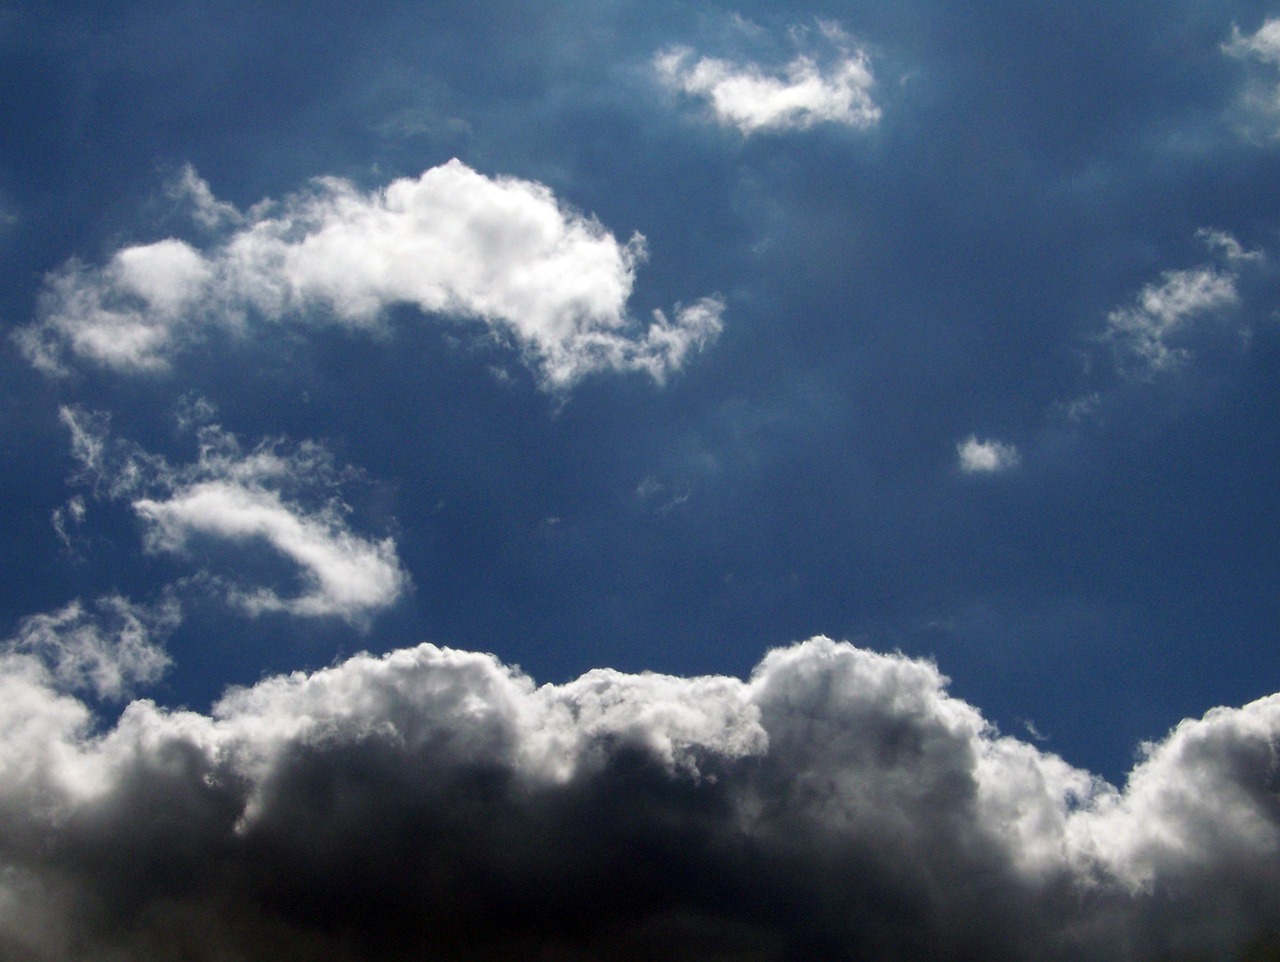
x=646, y=339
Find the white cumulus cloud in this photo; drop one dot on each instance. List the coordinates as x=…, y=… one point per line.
x=800, y=94
x=452, y=242
x=986, y=456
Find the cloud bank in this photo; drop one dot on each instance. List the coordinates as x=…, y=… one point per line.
x=801, y=94
x=454, y=243
x=281, y=498
x=839, y=804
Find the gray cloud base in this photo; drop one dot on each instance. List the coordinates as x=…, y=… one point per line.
x=839, y=804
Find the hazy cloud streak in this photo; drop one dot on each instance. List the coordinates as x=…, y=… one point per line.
x=243, y=498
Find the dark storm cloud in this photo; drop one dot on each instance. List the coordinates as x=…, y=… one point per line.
x=108, y=648
x=839, y=804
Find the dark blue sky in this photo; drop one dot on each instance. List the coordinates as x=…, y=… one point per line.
x=889, y=291
x=648, y=337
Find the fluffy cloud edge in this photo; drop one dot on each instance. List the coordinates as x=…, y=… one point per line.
x=377, y=808
x=109, y=649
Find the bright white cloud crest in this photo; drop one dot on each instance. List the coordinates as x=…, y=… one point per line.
x=845, y=784
x=452, y=242
x=347, y=575
x=799, y=95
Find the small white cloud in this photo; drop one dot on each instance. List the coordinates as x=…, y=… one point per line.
x=1143, y=334
x=797, y=96
x=1228, y=246
x=194, y=411
x=1155, y=334
x=90, y=432
x=453, y=242
x=72, y=513
x=662, y=497
x=985, y=456
x=263, y=496
x=1080, y=408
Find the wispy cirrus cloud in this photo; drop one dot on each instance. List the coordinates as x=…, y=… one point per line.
x=452, y=242
x=283, y=498
x=434, y=801
x=808, y=90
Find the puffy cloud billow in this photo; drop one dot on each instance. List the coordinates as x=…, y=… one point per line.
x=433, y=803
x=452, y=242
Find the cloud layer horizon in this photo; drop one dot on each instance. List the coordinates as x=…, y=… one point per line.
x=839, y=803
